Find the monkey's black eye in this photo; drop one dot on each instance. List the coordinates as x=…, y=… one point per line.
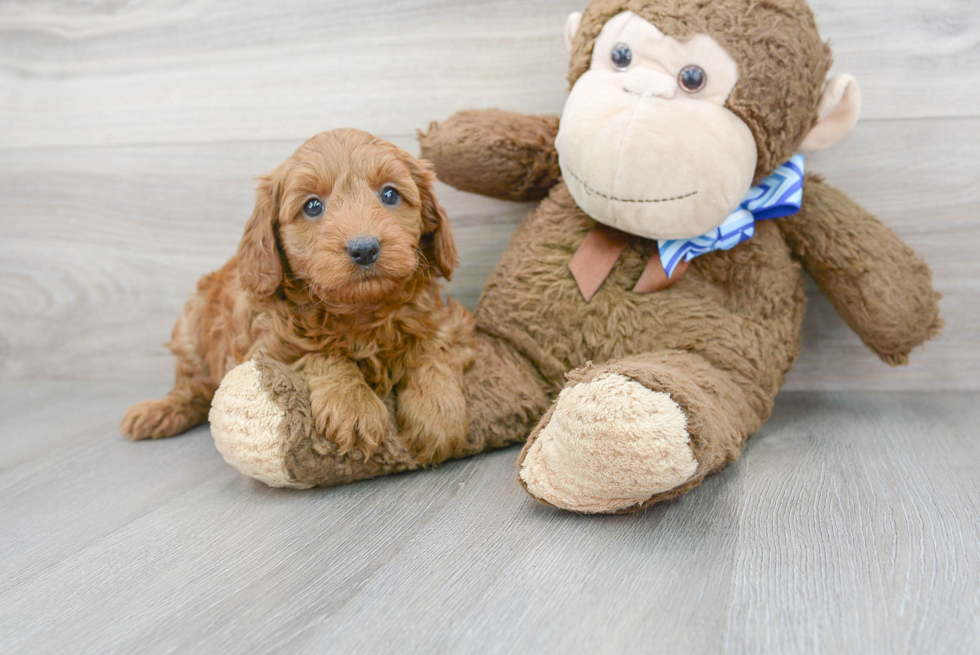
x=390, y=196
x=692, y=78
x=313, y=208
x=622, y=56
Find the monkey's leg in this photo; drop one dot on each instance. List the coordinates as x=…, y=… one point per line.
x=633, y=432
x=262, y=422
x=505, y=396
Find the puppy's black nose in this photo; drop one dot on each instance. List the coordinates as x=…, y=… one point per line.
x=363, y=250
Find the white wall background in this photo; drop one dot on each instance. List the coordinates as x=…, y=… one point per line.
x=130, y=133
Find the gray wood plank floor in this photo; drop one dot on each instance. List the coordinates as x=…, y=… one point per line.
x=852, y=524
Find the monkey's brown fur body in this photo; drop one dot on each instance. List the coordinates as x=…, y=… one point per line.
x=717, y=343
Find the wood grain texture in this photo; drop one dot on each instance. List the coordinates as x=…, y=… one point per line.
x=850, y=525
x=169, y=71
x=130, y=134
x=845, y=504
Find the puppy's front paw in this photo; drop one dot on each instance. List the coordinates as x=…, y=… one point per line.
x=355, y=418
x=433, y=422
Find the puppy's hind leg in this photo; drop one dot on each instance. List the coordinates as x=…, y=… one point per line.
x=188, y=402
x=183, y=408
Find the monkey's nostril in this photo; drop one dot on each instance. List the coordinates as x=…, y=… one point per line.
x=363, y=250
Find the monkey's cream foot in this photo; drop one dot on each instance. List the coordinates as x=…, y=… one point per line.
x=607, y=445
x=263, y=425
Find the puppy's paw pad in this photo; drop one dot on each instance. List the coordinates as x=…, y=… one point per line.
x=611, y=444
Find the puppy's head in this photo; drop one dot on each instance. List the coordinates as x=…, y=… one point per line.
x=349, y=217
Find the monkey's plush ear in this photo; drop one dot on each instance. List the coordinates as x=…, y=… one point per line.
x=571, y=28
x=259, y=268
x=837, y=114
x=437, y=236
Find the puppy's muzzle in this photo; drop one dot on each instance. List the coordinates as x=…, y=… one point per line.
x=363, y=250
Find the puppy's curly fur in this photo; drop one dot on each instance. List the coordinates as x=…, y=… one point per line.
x=295, y=293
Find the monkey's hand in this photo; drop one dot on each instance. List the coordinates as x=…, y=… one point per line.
x=495, y=153
x=877, y=283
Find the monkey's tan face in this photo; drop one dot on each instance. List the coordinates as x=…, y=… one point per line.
x=646, y=144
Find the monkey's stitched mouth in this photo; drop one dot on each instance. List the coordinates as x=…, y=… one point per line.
x=592, y=191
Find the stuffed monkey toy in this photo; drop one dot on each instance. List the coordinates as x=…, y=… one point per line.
x=641, y=322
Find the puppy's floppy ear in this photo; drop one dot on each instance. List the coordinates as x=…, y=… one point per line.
x=259, y=267
x=437, y=236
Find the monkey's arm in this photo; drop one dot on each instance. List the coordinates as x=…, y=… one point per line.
x=495, y=153
x=876, y=282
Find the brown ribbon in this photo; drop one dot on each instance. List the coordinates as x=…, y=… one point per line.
x=595, y=258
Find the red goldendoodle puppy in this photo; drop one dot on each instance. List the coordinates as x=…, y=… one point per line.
x=334, y=275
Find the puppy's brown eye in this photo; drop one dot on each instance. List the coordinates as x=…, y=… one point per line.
x=390, y=196
x=692, y=78
x=313, y=208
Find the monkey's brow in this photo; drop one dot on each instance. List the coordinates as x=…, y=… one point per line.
x=615, y=199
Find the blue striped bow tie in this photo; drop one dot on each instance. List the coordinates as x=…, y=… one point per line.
x=780, y=194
